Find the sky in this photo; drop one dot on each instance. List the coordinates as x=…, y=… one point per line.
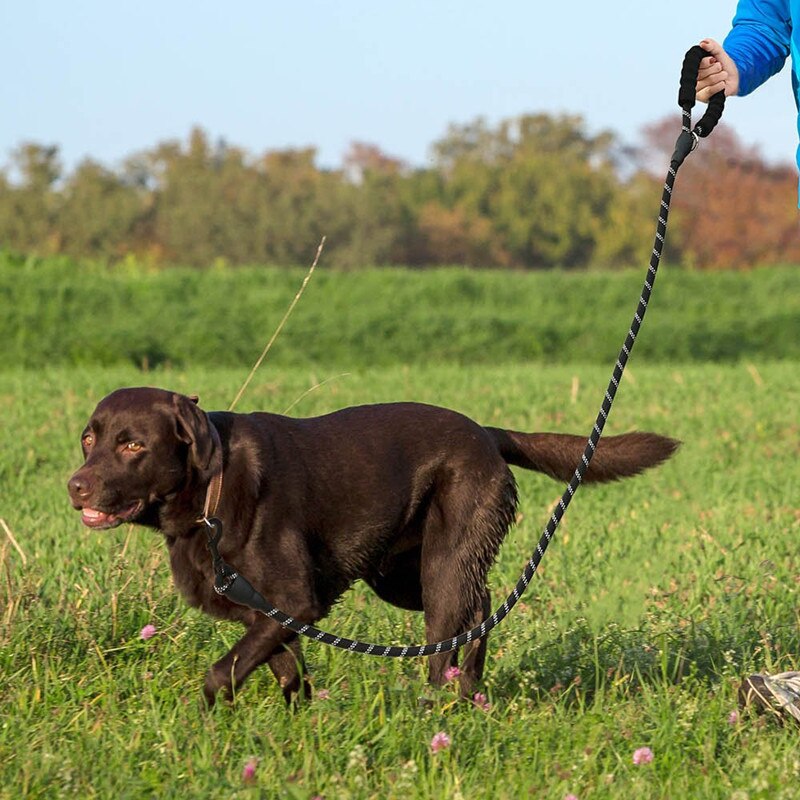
x=107, y=79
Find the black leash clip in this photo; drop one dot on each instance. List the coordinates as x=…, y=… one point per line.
x=225, y=575
x=227, y=581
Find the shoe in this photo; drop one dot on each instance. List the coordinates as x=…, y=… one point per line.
x=778, y=695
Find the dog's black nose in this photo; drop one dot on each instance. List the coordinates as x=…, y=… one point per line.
x=80, y=486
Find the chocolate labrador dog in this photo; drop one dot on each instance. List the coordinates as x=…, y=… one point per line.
x=413, y=499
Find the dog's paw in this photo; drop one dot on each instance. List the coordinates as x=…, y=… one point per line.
x=217, y=686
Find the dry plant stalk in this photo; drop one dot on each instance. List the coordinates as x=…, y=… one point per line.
x=12, y=598
x=13, y=541
x=280, y=326
x=313, y=389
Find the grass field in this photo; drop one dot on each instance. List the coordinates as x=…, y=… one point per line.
x=656, y=597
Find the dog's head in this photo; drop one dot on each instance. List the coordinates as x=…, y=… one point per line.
x=141, y=447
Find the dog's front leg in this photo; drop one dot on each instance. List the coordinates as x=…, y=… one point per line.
x=289, y=668
x=258, y=645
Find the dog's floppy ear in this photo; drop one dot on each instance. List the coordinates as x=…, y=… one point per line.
x=192, y=426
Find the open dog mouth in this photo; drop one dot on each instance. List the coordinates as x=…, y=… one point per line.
x=94, y=518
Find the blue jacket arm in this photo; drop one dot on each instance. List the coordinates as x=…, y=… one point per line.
x=759, y=41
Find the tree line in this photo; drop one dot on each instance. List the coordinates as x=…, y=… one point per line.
x=537, y=191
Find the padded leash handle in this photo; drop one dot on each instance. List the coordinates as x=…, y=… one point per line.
x=689, y=137
x=687, y=92
x=689, y=73
x=712, y=116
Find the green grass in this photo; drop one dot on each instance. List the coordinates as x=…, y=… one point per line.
x=57, y=312
x=656, y=597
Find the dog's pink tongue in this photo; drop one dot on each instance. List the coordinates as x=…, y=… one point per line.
x=93, y=518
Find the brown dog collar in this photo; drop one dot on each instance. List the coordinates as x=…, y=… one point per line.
x=214, y=490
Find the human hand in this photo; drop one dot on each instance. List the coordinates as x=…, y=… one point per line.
x=717, y=71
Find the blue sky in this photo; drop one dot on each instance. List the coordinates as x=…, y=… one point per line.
x=108, y=79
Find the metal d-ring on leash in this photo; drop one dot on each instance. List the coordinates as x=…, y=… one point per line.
x=237, y=589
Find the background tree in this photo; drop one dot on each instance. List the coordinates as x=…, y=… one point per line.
x=536, y=191
x=29, y=207
x=548, y=190
x=732, y=209
x=99, y=213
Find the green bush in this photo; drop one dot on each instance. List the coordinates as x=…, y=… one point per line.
x=59, y=312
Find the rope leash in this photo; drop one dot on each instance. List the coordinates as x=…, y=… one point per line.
x=237, y=589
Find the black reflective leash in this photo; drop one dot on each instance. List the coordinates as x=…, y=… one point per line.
x=237, y=589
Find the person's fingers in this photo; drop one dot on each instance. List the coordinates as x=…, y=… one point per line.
x=712, y=80
x=706, y=93
x=718, y=71
x=712, y=46
x=712, y=69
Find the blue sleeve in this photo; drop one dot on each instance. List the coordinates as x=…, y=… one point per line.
x=759, y=40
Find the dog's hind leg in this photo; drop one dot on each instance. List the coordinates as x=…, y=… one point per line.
x=463, y=532
x=474, y=653
x=446, y=619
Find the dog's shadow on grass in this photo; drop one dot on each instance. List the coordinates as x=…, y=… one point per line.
x=581, y=661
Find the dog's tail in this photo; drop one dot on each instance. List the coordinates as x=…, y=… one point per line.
x=558, y=454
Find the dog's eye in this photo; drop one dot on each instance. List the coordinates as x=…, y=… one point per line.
x=88, y=440
x=133, y=447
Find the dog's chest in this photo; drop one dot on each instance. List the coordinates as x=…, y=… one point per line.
x=193, y=575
